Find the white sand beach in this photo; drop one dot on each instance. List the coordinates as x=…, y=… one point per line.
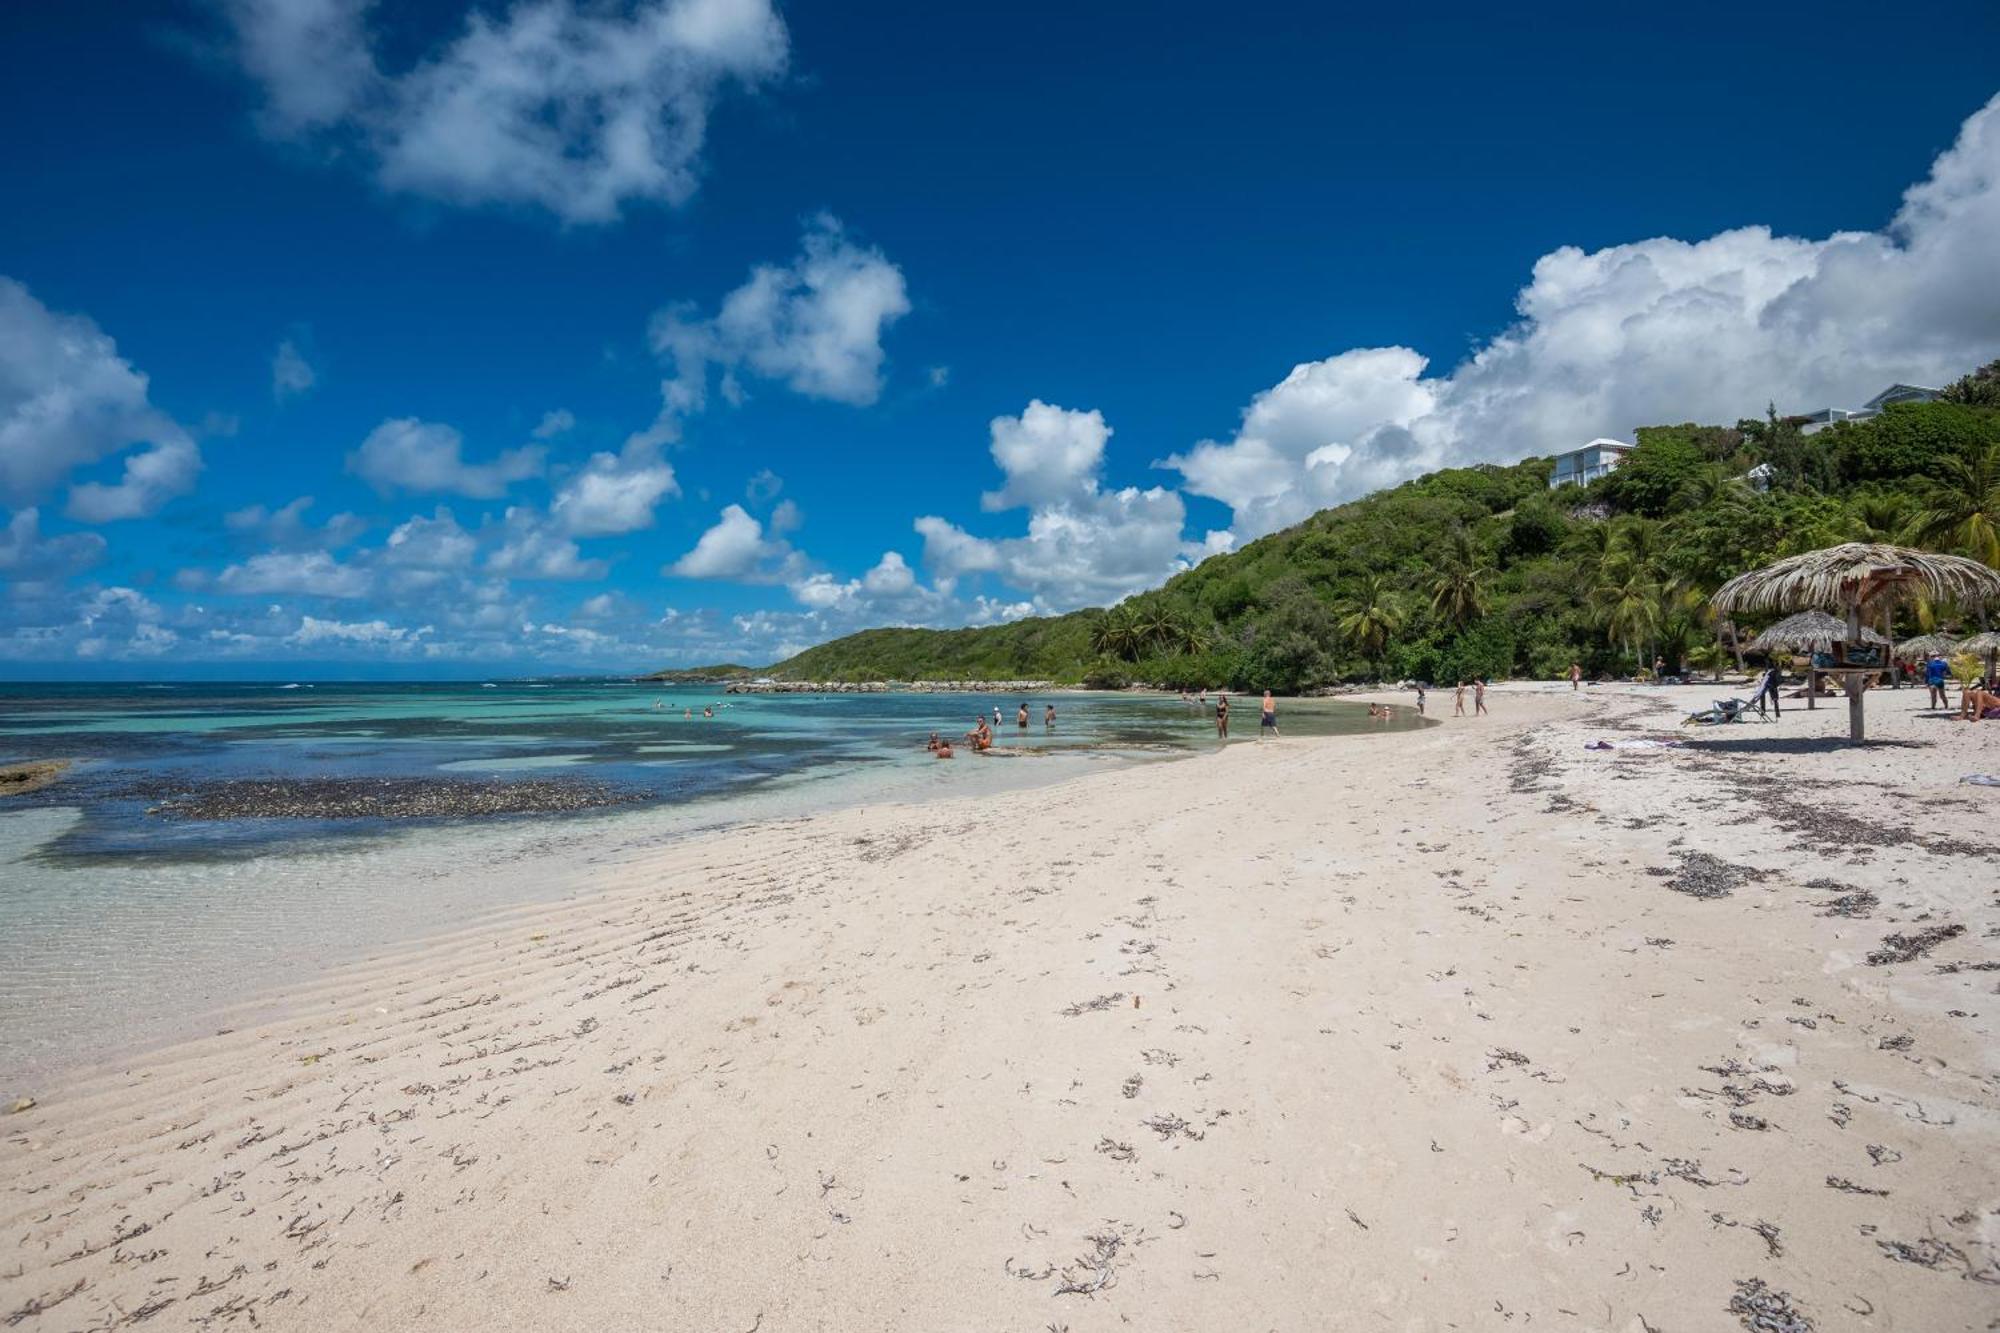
x=1466, y=1028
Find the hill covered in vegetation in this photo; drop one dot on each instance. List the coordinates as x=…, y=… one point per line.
x=1485, y=571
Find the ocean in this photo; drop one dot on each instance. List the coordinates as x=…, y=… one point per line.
x=211, y=842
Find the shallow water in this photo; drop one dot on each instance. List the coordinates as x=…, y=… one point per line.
x=121, y=924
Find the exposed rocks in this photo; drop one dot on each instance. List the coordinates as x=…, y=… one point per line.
x=20, y=779
x=383, y=798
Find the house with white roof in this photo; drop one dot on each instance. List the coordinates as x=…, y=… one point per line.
x=1889, y=397
x=1580, y=467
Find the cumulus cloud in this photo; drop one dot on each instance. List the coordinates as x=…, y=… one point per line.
x=576, y=109
x=815, y=325
x=67, y=400
x=291, y=373
x=25, y=554
x=614, y=492
x=1084, y=543
x=434, y=543
x=735, y=547
x=313, y=630
x=531, y=549
x=1651, y=331
x=406, y=454
x=309, y=573
x=561, y=421
x=286, y=526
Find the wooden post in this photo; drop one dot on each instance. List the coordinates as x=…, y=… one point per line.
x=1856, y=727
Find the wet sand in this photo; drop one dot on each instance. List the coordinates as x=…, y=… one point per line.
x=1469, y=1027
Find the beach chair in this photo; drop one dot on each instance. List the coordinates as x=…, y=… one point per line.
x=1723, y=712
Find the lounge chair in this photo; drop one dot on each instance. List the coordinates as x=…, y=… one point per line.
x=1724, y=711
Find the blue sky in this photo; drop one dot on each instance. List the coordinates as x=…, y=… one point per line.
x=668, y=331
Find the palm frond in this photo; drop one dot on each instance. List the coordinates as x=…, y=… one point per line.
x=1863, y=573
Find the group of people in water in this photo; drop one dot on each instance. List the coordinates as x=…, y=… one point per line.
x=980, y=738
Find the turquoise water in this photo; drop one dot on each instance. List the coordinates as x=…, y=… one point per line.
x=122, y=922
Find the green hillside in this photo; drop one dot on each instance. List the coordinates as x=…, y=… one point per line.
x=1485, y=571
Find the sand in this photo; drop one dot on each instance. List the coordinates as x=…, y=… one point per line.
x=1466, y=1028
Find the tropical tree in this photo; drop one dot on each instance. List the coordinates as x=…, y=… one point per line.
x=1629, y=603
x=1963, y=511
x=1979, y=389
x=1370, y=616
x=1456, y=590
x=1116, y=634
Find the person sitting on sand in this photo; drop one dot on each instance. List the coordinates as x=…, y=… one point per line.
x=1267, y=720
x=1977, y=705
x=1222, y=717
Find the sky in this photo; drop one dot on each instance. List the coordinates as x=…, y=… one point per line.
x=443, y=339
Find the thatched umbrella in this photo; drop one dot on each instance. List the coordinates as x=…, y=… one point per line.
x=1988, y=643
x=1859, y=577
x=1926, y=644
x=1806, y=632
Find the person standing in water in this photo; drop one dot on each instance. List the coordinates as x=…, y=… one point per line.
x=1268, y=719
x=1049, y=717
x=1021, y=718
x=1479, y=696
x=1222, y=717
x=996, y=715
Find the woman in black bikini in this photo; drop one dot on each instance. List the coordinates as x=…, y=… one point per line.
x=1222, y=717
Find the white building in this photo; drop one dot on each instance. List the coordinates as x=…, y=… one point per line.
x=1580, y=467
x=1889, y=397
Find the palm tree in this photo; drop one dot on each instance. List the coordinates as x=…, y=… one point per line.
x=1370, y=616
x=1629, y=601
x=1456, y=591
x=1963, y=511
x=1115, y=634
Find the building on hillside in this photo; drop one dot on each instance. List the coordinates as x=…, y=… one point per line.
x=1580, y=467
x=1896, y=393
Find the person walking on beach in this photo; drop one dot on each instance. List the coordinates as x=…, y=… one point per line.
x=1458, y=700
x=1420, y=698
x=1659, y=670
x=1767, y=688
x=1222, y=717
x=1575, y=677
x=1934, y=675
x=1268, y=719
x=1479, y=696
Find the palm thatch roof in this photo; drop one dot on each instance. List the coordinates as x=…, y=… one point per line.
x=1864, y=574
x=1981, y=643
x=1926, y=644
x=1805, y=632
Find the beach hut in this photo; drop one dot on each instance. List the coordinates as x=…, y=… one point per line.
x=1861, y=578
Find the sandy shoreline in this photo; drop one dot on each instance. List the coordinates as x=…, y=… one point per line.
x=1395, y=1031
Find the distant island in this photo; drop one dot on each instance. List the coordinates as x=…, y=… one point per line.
x=1499, y=571
x=702, y=675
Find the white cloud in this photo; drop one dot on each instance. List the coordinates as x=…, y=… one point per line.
x=576, y=109
x=310, y=573
x=815, y=324
x=735, y=547
x=26, y=554
x=1652, y=331
x=533, y=550
x=406, y=454
x=67, y=399
x=559, y=422
x=291, y=373
x=287, y=527
x=435, y=543
x=313, y=630
x=1083, y=544
x=614, y=493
